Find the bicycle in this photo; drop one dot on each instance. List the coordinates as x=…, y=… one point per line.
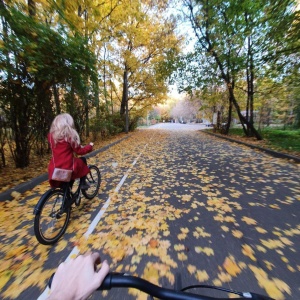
x=123, y=280
x=53, y=210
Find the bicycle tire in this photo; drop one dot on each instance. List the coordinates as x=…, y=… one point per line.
x=93, y=178
x=51, y=221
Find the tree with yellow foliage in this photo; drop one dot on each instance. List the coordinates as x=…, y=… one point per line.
x=142, y=43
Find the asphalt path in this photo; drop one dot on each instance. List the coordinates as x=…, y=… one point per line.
x=176, y=201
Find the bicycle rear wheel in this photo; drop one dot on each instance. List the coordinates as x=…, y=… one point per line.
x=93, y=178
x=51, y=221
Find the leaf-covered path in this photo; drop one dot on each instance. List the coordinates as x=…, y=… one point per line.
x=172, y=202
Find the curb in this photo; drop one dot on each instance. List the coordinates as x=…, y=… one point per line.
x=23, y=187
x=268, y=151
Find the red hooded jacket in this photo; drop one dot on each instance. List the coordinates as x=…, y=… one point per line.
x=63, y=157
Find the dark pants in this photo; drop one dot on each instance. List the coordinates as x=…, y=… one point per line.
x=82, y=179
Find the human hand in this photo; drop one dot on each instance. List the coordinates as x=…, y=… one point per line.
x=92, y=144
x=78, y=278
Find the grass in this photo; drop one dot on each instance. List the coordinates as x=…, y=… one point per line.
x=285, y=139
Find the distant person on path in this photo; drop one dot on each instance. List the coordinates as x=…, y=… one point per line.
x=64, y=141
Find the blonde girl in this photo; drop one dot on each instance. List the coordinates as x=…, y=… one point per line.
x=65, y=142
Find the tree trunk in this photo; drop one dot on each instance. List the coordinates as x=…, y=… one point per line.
x=124, y=104
x=104, y=82
x=230, y=86
x=44, y=94
x=127, y=118
x=111, y=98
x=56, y=99
x=248, y=93
x=250, y=80
x=124, y=94
x=241, y=117
x=31, y=8
x=87, y=120
x=19, y=122
x=251, y=90
x=226, y=131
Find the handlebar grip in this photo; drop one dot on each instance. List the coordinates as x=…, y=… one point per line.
x=107, y=282
x=260, y=297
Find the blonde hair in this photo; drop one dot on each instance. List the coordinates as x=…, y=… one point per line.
x=63, y=129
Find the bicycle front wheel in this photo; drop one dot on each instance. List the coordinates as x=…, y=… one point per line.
x=93, y=178
x=51, y=221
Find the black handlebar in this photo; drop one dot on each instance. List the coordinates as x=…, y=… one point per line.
x=123, y=280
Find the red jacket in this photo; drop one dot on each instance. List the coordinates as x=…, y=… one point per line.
x=63, y=155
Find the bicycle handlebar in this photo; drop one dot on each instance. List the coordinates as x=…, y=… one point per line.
x=113, y=280
x=123, y=280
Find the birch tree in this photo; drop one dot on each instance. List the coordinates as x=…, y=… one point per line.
x=240, y=37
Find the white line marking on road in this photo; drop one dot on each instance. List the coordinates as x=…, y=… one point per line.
x=96, y=220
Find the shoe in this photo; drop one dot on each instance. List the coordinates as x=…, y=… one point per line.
x=84, y=186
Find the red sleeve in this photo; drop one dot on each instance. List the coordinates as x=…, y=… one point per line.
x=81, y=150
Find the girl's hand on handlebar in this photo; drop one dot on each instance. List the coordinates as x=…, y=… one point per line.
x=78, y=278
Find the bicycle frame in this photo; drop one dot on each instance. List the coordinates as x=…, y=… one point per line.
x=67, y=197
x=51, y=221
